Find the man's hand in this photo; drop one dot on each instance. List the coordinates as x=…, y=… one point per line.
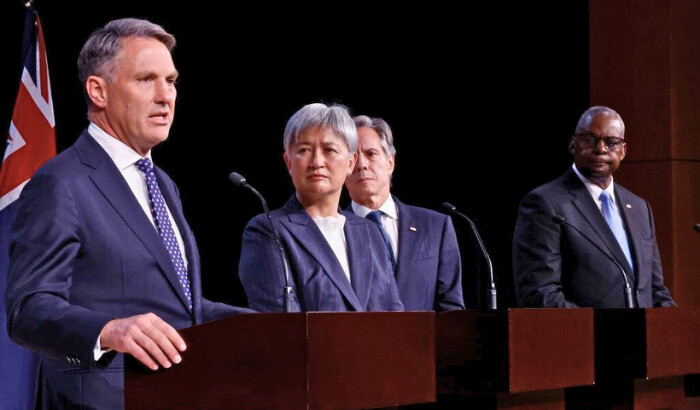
x=146, y=337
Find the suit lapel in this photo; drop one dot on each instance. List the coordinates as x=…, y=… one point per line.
x=112, y=185
x=360, y=263
x=634, y=223
x=300, y=225
x=590, y=212
x=408, y=242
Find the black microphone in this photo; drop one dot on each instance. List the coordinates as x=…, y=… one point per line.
x=697, y=227
x=491, y=295
x=288, y=300
x=629, y=296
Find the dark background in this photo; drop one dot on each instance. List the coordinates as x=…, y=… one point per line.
x=482, y=102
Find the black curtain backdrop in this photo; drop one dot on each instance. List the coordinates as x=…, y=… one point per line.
x=482, y=102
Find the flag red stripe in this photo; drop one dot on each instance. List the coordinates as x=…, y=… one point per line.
x=43, y=65
x=40, y=141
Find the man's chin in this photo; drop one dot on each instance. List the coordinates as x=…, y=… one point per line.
x=365, y=185
x=361, y=193
x=597, y=171
x=159, y=137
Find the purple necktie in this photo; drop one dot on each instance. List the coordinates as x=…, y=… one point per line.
x=165, y=229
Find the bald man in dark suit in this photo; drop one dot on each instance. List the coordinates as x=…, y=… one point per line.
x=581, y=239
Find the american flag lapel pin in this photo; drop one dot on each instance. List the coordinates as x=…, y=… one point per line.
x=412, y=228
x=628, y=206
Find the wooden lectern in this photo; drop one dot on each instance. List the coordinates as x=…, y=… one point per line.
x=514, y=358
x=295, y=361
x=641, y=356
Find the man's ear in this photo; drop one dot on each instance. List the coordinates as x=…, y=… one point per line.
x=623, y=151
x=96, y=89
x=392, y=164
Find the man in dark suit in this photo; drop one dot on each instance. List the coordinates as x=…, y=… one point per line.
x=421, y=244
x=102, y=261
x=581, y=237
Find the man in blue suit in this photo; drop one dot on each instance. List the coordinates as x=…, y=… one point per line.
x=581, y=238
x=421, y=244
x=102, y=260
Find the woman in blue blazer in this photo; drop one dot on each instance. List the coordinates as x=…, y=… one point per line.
x=336, y=259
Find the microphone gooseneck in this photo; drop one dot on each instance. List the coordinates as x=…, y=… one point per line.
x=492, y=293
x=629, y=296
x=287, y=299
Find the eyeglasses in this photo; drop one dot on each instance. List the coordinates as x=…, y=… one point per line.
x=590, y=140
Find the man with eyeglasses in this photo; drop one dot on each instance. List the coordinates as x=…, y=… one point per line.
x=582, y=240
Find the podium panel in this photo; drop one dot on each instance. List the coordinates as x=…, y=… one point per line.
x=647, y=343
x=641, y=356
x=294, y=361
x=514, y=351
x=385, y=359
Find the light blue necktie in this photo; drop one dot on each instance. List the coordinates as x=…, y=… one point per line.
x=165, y=229
x=376, y=217
x=615, y=222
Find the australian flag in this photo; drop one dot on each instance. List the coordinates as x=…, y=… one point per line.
x=31, y=141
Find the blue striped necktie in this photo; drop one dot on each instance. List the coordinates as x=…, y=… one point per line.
x=376, y=217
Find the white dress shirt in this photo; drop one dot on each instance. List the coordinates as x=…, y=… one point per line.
x=332, y=229
x=390, y=220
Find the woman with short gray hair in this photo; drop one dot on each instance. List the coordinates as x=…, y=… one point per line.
x=335, y=257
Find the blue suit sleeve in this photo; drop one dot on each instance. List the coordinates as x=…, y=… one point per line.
x=537, y=256
x=216, y=310
x=44, y=248
x=261, y=270
x=660, y=295
x=449, y=279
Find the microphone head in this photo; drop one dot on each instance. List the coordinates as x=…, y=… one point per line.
x=697, y=227
x=237, y=179
x=558, y=219
x=448, y=207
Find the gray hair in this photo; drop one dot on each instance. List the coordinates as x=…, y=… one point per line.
x=382, y=128
x=588, y=115
x=318, y=115
x=98, y=56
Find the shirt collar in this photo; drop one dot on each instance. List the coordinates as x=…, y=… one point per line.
x=121, y=154
x=330, y=222
x=388, y=207
x=594, y=189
